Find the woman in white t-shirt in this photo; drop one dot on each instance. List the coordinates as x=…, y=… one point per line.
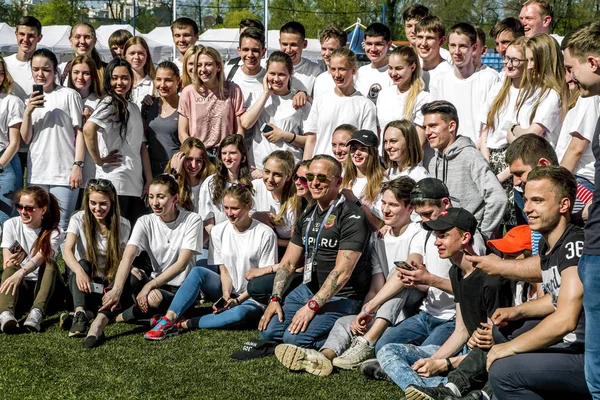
x=403, y=154
x=275, y=200
x=171, y=237
x=405, y=98
x=94, y=246
x=114, y=136
x=83, y=40
x=236, y=246
x=232, y=167
x=84, y=78
x=29, y=247
x=273, y=109
x=364, y=175
x=11, y=116
x=192, y=165
x=52, y=128
x=542, y=101
x=339, y=143
x=137, y=53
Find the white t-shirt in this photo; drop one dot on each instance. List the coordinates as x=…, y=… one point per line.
x=180, y=65
x=89, y=167
x=239, y=252
x=358, y=189
x=503, y=120
x=279, y=111
x=127, y=177
x=416, y=172
x=370, y=81
x=392, y=248
x=306, y=71
x=195, y=196
x=581, y=119
x=323, y=84
x=547, y=114
x=22, y=76
x=264, y=202
x=206, y=208
x=144, y=88
x=52, y=148
x=330, y=111
x=163, y=241
x=76, y=228
x=11, y=113
x=429, y=75
x=253, y=84
x=469, y=96
x=14, y=229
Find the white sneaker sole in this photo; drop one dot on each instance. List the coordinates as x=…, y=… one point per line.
x=297, y=358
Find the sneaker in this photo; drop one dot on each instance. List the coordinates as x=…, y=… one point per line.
x=80, y=324
x=297, y=358
x=65, y=321
x=34, y=320
x=8, y=322
x=441, y=392
x=162, y=330
x=93, y=341
x=372, y=369
x=154, y=320
x=359, y=351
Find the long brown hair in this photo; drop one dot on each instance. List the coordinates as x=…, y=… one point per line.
x=414, y=151
x=7, y=85
x=113, y=228
x=149, y=65
x=220, y=177
x=409, y=55
x=375, y=174
x=288, y=196
x=50, y=220
x=96, y=86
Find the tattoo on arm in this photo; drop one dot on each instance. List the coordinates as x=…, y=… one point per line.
x=281, y=279
x=346, y=254
x=333, y=283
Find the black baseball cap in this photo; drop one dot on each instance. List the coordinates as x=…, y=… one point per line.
x=429, y=188
x=255, y=349
x=455, y=217
x=364, y=137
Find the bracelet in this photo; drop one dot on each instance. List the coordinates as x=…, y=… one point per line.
x=294, y=138
x=449, y=366
x=368, y=314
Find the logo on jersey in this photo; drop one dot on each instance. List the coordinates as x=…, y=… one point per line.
x=374, y=91
x=329, y=221
x=354, y=216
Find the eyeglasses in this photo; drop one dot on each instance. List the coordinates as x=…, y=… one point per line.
x=103, y=183
x=514, y=61
x=302, y=179
x=28, y=209
x=320, y=177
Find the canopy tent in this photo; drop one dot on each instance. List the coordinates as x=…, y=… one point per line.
x=56, y=38
x=160, y=34
x=8, y=43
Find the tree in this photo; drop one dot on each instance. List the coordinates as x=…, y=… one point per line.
x=233, y=17
x=12, y=12
x=60, y=12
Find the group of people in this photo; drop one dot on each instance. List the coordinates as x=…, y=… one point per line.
x=419, y=218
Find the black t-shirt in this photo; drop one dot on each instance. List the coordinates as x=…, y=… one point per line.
x=346, y=228
x=479, y=295
x=592, y=226
x=565, y=254
x=163, y=141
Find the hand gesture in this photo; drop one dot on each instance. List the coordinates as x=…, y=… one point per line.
x=112, y=159
x=428, y=367
x=177, y=161
x=273, y=308
x=301, y=320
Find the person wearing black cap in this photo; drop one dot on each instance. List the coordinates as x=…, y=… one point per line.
x=363, y=176
x=476, y=295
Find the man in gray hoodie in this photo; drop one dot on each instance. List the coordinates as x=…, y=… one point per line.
x=462, y=167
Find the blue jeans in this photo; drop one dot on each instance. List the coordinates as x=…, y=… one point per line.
x=588, y=273
x=397, y=359
x=11, y=181
x=67, y=198
x=318, y=328
x=420, y=329
x=209, y=282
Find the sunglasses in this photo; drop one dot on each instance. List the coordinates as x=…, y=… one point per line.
x=302, y=179
x=320, y=177
x=28, y=209
x=103, y=183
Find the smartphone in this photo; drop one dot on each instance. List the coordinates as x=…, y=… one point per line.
x=97, y=288
x=15, y=247
x=404, y=265
x=266, y=128
x=220, y=305
x=39, y=89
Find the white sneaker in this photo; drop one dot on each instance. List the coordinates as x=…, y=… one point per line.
x=8, y=322
x=34, y=320
x=297, y=358
x=359, y=351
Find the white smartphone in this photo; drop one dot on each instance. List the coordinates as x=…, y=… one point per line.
x=97, y=288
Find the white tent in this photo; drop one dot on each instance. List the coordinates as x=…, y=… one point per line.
x=56, y=38
x=8, y=42
x=160, y=34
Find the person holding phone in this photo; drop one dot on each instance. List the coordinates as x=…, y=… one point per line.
x=29, y=247
x=233, y=306
x=94, y=245
x=52, y=127
x=171, y=237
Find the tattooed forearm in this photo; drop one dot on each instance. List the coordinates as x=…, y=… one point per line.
x=347, y=254
x=333, y=278
x=281, y=279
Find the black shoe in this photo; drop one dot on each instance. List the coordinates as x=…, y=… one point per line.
x=80, y=324
x=441, y=392
x=474, y=395
x=371, y=369
x=92, y=341
x=65, y=321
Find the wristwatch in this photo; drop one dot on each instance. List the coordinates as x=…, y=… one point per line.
x=313, y=305
x=275, y=299
x=78, y=163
